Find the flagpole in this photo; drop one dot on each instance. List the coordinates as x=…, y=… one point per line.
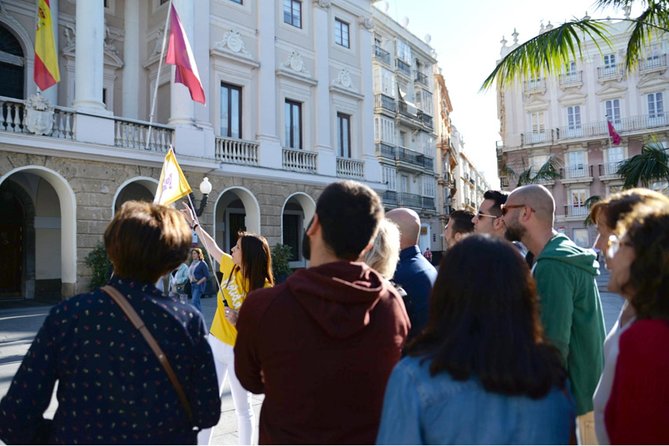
x=211, y=260
x=160, y=66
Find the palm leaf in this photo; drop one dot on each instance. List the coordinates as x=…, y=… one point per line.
x=550, y=51
x=652, y=164
x=525, y=177
x=588, y=204
x=548, y=171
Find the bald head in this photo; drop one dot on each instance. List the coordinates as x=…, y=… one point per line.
x=538, y=198
x=408, y=222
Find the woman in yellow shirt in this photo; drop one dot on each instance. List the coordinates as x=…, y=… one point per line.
x=248, y=268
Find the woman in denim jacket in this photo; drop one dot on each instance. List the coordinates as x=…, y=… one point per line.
x=198, y=272
x=481, y=371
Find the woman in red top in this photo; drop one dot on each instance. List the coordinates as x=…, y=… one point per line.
x=638, y=409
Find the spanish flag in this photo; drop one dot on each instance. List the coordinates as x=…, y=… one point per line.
x=46, y=59
x=173, y=184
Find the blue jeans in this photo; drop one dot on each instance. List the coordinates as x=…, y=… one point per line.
x=196, y=292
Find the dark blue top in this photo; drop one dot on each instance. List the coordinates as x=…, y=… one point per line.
x=111, y=387
x=201, y=270
x=416, y=275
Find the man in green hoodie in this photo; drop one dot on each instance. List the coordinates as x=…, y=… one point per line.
x=571, y=311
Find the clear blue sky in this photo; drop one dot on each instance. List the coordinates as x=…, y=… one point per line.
x=466, y=35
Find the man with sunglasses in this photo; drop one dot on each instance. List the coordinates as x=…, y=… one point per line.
x=571, y=310
x=487, y=220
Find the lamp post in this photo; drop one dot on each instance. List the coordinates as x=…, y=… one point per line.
x=205, y=190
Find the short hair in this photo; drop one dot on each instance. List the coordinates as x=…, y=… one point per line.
x=648, y=283
x=484, y=321
x=385, y=252
x=499, y=197
x=615, y=207
x=461, y=221
x=145, y=241
x=349, y=213
x=540, y=199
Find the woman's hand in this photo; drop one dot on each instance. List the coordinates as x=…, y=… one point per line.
x=231, y=315
x=188, y=214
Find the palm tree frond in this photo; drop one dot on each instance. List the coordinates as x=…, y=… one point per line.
x=652, y=164
x=550, y=170
x=591, y=200
x=550, y=51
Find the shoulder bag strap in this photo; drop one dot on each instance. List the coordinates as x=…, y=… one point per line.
x=139, y=325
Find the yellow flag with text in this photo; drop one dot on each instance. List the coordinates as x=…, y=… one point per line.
x=172, y=184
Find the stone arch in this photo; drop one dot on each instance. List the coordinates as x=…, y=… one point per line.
x=231, y=199
x=147, y=191
x=68, y=222
x=296, y=213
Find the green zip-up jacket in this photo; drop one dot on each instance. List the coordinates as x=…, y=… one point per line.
x=571, y=313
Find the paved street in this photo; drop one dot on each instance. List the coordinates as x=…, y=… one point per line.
x=18, y=326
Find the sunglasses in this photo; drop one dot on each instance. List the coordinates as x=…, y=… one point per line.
x=505, y=207
x=481, y=215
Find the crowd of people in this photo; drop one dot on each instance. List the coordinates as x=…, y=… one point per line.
x=503, y=343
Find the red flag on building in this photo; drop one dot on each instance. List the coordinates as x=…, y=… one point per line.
x=46, y=71
x=179, y=53
x=615, y=137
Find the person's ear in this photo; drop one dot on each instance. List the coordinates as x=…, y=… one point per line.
x=314, y=225
x=457, y=236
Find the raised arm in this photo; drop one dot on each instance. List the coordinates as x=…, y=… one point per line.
x=207, y=240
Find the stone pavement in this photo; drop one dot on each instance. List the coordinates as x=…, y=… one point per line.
x=19, y=325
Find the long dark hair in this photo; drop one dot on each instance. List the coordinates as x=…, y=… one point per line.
x=256, y=264
x=484, y=322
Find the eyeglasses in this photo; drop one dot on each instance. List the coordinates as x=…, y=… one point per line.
x=505, y=207
x=481, y=215
x=614, y=245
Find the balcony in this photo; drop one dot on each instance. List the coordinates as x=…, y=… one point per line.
x=631, y=124
x=534, y=138
x=534, y=86
x=236, y=151
x=299, y=160
x=403, y=67
x=424, y=119
x=133, y=134
x=609, y=73
x=381, y=55
x=573, y=79
x=414, y=158
x=653, y=64
x=13, y=119
x=575, y=210
x=579, y=172
x=385, y=150
x=609, y=169
x=385, y=102
x=421, y=78
x=389, y=198
x=349, y=168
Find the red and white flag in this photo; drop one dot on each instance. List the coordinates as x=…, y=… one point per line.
x=615, y=137
x=179, y=53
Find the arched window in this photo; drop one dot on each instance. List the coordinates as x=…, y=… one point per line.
x=12, y=65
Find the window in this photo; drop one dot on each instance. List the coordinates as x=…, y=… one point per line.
x=615, y=154
x=537, y=122
x=570, y=68
x=613, y=110
x=537, y=161
x=403, y=52
x=388, y=175
x=292, y=234
x=581, y=238
x=292, y=13
x=384, y=81
x=404, y=183
x=574, y=117
x=344, y=135
x=428, y=186
x=610, y=61
x=12, y=65
x=384, y=130
x=342, y=33
x=655, y=105
x=577, y=198
x=293, y=124
x=231, y=111
x=424, y=101
x=576, y=165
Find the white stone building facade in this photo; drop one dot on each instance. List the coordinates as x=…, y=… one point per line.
x=288, y=111
x=564, y=117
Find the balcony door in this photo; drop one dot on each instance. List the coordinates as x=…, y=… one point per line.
x=231, y=111
x=12, y=63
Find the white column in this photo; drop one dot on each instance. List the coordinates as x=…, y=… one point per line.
x=89, y=49
x=372, y=166
x=327, y=159
x=268, y=113
x=182, y=108
x=130, y=102
x=52, y=93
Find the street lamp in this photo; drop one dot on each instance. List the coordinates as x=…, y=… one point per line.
x=205, y=190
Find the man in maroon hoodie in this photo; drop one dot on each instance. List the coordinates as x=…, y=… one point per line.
x=321, y=345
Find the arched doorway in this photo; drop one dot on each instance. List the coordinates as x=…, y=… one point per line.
x=297, y=212
x=38, y=213
x=236, y=209
x=12, y=65
x=138, y=188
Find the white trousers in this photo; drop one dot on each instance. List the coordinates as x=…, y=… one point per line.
x=224, y=358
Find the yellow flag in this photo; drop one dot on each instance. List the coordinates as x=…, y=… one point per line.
x=172, y=184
